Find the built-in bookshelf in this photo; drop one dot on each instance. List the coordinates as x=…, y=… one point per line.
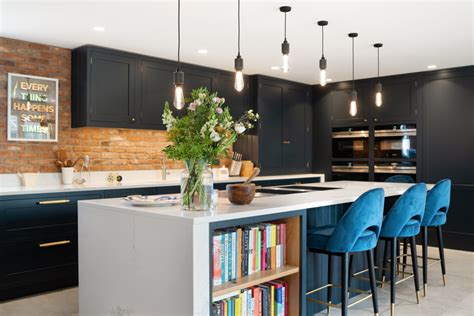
x=287, y=270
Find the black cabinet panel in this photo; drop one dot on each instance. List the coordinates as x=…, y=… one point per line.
x=195, y=78
x=399, y=100
x=112, y=88
x=340, y=105
x=460, y=214
x=448, y=133
x=156, y=87
x=238, y=102
x=294, y=130
x=270, y=98
x=127, y=192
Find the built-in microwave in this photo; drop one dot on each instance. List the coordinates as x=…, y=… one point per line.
x=395, y=141
x=355, y=171
x=350, y=142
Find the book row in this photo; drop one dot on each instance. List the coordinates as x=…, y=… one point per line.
x=267, y=299
x=241, y=251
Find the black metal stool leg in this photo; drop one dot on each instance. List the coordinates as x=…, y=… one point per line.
x=441, y=253
x=351, y=260
x=424, y=234
x=373, y=287
x=344, y=285
x=398, y=257
x=384, y=262
x=405, y=251
x=414, y=261
x=329, y=281
x=393, y=280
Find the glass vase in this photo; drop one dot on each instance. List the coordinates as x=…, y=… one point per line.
x=196, y=186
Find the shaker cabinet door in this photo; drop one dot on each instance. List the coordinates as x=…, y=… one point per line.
x=156, y=88
x=340, y=105
x=112, y=88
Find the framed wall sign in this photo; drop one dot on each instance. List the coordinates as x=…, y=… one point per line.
x=32, y=108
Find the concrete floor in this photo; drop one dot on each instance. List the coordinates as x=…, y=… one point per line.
x=457, y=298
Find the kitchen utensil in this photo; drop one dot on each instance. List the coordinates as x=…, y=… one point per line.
x=240, y=194
x=67, y=175
x=255, y=173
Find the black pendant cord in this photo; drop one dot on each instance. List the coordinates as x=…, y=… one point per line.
x=285, y=27
x=353, y=64
x=179, y=34
x=238, y=28
x=322, y=39
x=378, y=64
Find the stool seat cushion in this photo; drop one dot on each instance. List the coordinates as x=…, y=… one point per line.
x=412, y=228
x=319, y=236
x=438, y=219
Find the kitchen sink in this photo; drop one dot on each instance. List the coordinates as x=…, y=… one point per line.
x=309, y=188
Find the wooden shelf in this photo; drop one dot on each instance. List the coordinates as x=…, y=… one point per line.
x=254, y=279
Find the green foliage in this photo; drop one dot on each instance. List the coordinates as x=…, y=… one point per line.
x=206, y=131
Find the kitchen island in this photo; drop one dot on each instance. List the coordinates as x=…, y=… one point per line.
x=158, y=261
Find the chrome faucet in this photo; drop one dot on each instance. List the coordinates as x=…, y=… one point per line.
x=163, y=168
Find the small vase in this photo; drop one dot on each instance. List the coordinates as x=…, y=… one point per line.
x=196, y=186
x=67, y=175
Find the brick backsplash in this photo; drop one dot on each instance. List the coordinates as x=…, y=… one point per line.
x=109, y=148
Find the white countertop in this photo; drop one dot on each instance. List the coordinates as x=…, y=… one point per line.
x=130, y=184
x=349, y=191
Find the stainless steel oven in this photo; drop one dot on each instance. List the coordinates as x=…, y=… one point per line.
x=395, y=141
x=350, y=142
x=356, y=171
x=384, y=170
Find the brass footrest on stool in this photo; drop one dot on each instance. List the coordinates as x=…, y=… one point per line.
x=329, y=304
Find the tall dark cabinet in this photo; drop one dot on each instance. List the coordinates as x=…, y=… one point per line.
x=448, y=132
x=285, y=130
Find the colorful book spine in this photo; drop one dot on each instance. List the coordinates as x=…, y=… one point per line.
x=216, y=260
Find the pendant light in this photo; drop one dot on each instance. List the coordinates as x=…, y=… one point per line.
x=238, y=61
x=353, y=105
x=178, y=75
x=285, y=46
x=322, y=61
x=378, y=86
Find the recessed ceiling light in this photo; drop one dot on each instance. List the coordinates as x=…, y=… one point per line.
x=99, y=28
x=202, y=51
x=431, y=66
x=275, y=67
x=328, y=79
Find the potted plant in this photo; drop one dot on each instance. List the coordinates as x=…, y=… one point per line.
x=198, y=138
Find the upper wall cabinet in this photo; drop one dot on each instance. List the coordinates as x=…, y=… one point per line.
x=155, y=87
x=112, y=88
x=238, y=102
x=340, y=99
x=399, y=100
x=103, y=88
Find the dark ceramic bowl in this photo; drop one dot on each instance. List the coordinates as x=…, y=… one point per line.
x=240, y=194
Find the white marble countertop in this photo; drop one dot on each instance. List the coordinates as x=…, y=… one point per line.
x=349, y=191
x=130, y=184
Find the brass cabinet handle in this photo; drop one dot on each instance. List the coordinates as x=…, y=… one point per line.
x=53, y=202
x=54, y=243
x=286, y=142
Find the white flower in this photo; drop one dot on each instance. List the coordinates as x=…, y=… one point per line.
x=219, y=110
x=201, y=95
x=192, y=106
x=215, y=137
x=216, y=100
x=239, y=128
x=197, y=102
x=168, y=120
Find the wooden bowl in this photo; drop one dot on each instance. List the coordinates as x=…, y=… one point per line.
x=240, y=194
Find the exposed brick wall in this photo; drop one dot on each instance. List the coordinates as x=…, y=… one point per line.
x=110, y=149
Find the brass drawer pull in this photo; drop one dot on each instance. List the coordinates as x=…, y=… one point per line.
x=53, y=202
x=286, y=142
x=55, y=243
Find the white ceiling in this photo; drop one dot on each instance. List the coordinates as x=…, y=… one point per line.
x=415, y=33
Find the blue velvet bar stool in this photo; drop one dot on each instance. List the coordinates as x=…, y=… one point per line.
x=357, y=231
x=436, y=211
x=400, y=178
x=403, y=221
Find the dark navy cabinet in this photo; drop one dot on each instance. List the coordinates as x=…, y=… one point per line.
x=284, y=131
x=237, y=102
x=340, y=99
x=399, y=100
x=38, y=243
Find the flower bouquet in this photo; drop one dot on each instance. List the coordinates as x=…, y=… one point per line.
x=199, y=138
